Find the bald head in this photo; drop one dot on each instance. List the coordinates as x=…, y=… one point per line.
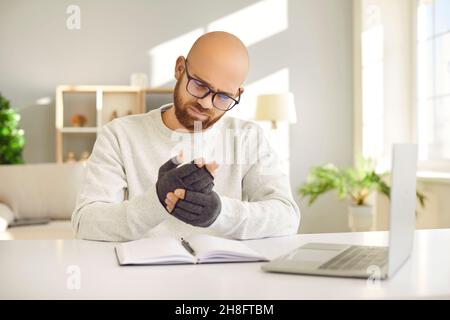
x=220, y=54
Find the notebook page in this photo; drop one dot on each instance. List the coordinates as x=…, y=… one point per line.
x=156, y=250
x=215, y=249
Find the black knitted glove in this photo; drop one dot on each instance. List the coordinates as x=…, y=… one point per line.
x=189, y=176
x=198, y=209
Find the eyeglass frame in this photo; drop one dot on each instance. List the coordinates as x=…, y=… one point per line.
x=189, y=77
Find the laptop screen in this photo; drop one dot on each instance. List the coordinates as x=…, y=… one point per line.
x=403, y=205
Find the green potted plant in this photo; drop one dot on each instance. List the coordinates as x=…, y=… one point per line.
x=12, y=139
x=355, y=183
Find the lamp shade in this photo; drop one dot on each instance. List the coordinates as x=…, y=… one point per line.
x=276, y=107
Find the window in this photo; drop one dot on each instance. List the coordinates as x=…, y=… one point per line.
x=433, y=84
x=383, y=77
x=372, y=70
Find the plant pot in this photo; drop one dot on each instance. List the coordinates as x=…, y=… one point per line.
x=360, y=218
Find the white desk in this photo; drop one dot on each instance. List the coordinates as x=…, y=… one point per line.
x=38, y=269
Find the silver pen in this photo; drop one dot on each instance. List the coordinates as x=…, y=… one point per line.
x=187, y=246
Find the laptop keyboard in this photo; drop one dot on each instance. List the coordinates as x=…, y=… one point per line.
x=357, y=258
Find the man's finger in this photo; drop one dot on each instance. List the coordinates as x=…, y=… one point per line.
x=180, y=193
x=170, y=203
x=212, y=167
x=170, y=208
x=180, y=156
x=200, y=162
x=172, y=197
x=169, y=195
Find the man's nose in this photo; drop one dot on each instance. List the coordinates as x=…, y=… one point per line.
x=206, y=102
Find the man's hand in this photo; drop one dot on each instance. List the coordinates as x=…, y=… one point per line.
x=195, y=176
x=196, y=208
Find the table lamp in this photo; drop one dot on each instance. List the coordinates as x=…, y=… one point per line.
x=275, y=108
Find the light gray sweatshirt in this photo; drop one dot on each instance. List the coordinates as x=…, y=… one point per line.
x=118, y=200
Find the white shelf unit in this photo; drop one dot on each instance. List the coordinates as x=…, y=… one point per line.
x=98, y=104
x=88, y=101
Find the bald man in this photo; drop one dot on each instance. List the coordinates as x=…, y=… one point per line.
x=185, y=168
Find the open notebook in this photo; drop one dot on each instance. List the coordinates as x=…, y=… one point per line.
x=195, y=249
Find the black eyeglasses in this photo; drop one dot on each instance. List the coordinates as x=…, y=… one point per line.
x=199, y=89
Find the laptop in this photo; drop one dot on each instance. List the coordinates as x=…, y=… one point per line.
x=355, y=261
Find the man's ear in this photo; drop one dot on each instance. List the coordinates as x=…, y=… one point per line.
x=179, y=67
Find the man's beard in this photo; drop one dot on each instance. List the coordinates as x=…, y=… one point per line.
x=185, y=119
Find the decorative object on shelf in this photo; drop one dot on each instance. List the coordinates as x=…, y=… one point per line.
x=71, y=157
x=12, y=139
x=139, y=80
x=356, y=183
x=85, y=156
x=114, y=115
x=276, y=108
x=78, y=120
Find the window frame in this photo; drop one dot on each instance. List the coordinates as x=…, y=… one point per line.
x=434, y=166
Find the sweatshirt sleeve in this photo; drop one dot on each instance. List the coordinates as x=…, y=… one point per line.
x=267, y=208
x=102, y=211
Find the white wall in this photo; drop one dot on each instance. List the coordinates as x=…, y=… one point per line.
x=323, y=72
x=311, y=54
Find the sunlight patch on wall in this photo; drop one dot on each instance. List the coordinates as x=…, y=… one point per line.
x=163, y=57
x=251, y=24
x=255, y=23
